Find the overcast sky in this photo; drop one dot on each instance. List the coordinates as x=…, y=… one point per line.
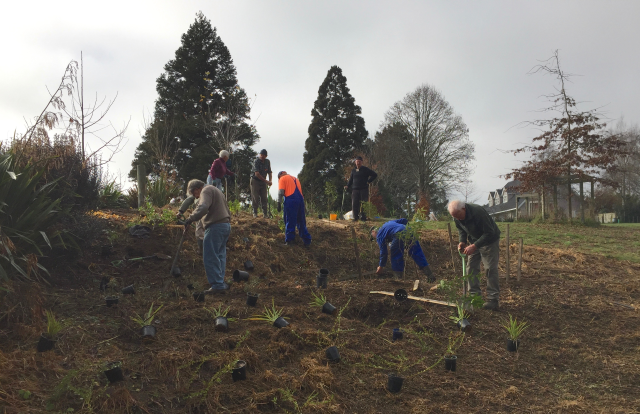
x=476, y=53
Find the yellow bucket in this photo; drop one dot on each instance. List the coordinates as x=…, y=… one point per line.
x=333, y=217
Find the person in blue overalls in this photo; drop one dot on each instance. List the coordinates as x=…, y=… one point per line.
x=388, y=233
x=289, y=188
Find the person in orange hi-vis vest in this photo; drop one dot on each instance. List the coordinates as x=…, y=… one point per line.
x=289, y=189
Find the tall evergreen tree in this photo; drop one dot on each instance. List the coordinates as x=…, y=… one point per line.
x=195, y=94
x=335, y=132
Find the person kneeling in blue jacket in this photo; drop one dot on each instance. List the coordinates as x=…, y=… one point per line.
x=388, y=233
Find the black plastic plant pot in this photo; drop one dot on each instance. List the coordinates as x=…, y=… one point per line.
x=394, y=383
x=464, y=325
x=176, y=272
x=280, y=322
x=328, y=308
x=239, y=371
x=111, y=300
x=221, y=324
x=252, y=299
x=512, y=346
x=332, y=354
x=45, y=344
x=321, y=282
x=190, y=286
x=323, y=273
x=198, y=296
x=450, y=363
x=129, y=290
x=320, y=216
x=240, y=276
x=114, y=372
x=401, y=295
x=397, y=334
x=148, y=331
x=248, y=265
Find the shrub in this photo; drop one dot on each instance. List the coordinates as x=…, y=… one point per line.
x=162, y=189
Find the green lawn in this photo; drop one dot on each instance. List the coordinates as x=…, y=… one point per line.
x=620, y=241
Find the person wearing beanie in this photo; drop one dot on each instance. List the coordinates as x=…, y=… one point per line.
x=260, y=183
x=289, y=188
x=359, y=181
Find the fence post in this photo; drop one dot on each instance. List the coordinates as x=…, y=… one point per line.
x=142, y=184
x=520, y=260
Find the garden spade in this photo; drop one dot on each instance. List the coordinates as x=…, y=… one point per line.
x=175, y=270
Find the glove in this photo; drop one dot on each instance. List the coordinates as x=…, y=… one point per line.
x=279, y=207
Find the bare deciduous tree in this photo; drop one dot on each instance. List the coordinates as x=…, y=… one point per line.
x=438, y=153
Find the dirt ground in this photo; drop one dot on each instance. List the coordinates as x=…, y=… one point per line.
x=581, y=353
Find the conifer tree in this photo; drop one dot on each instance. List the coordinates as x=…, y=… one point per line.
x=335, y=132
x=194, y=93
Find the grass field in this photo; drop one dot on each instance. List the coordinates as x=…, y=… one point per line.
x=619, y=241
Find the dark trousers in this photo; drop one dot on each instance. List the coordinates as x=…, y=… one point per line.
x=358, y=196
x=259, y=196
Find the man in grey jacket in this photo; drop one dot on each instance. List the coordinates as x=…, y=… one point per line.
x=215, y=216
x=479, y=240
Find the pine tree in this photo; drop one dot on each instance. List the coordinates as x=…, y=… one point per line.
x=195, y=94
x=335, y=132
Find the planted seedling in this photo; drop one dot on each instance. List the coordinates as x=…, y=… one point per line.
x=460, y=318
x=221, y=321
x=515, y=329
x=251, y=288
x=271, y=315
x=145, y=322
x=450, y=357
x=48, y=338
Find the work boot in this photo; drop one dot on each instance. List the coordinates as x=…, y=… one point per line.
x=429, y=274
x=491, y=304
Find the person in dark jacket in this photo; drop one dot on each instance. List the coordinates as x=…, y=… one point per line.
x=391, y=233
x=219, y=170
x=479, y=240
x=359, y=181
x=260, y=184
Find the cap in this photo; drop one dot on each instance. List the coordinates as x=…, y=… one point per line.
x=263, y=152
x=281, y=173
x=359, y=158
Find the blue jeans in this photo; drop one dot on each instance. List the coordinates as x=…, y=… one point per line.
x=214, y=253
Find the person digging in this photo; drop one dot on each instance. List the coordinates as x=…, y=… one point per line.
x=199, y=229
x=289, y=189
x=480, y=241
x=388, y=233
x=215, y=216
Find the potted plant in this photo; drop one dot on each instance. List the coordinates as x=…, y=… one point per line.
x=271, y=315
x=460, y=318
x=145, y=322
x=113, y=371
x=221, y=322
x=450, y=357
x=251, y=288
x=239, y=371
x=320, y=301
x=48, y=339
x=515, y=329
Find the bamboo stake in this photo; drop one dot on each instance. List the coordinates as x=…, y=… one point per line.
x=453, y=260
x=355, y=247
x=438, y=302
x=520, y=260
x=508, y=255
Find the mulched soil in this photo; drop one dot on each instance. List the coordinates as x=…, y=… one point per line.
x=580, y=354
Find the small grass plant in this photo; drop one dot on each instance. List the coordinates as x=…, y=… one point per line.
x=148, y=317
x=455, y=341
x=515, y=328
x=219, y=312
x=53, y=325
x=318, y=300
x=270, y=314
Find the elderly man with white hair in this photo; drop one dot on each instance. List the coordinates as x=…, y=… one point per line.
x=215, y=216
x=219, y=170
x=479, y=240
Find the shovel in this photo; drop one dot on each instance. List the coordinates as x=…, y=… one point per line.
x=118, y=263
x=175, y=270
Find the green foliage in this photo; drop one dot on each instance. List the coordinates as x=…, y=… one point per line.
x=461, y=313
x=148, y=317
x=162, y=189
x=152, y=217
x=318, y=300
x=337, y=129
x=269, y=314
x=369, y=209
x=27, y=219
x=330, y=194
x=111, y=196
x=515, y=328
x=53, y=325
x=234, y=206
x=217, y=312
x=24, y=394
x=455, y=341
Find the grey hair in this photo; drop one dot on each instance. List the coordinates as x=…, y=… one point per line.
x=194, y=185
x=455, y=206
x=224, y=153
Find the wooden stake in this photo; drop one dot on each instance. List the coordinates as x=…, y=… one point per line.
x=438, y=302
x=453, y=260
x=355, y=248
x=520, y=260
x=416, y=284
x=508, y=255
